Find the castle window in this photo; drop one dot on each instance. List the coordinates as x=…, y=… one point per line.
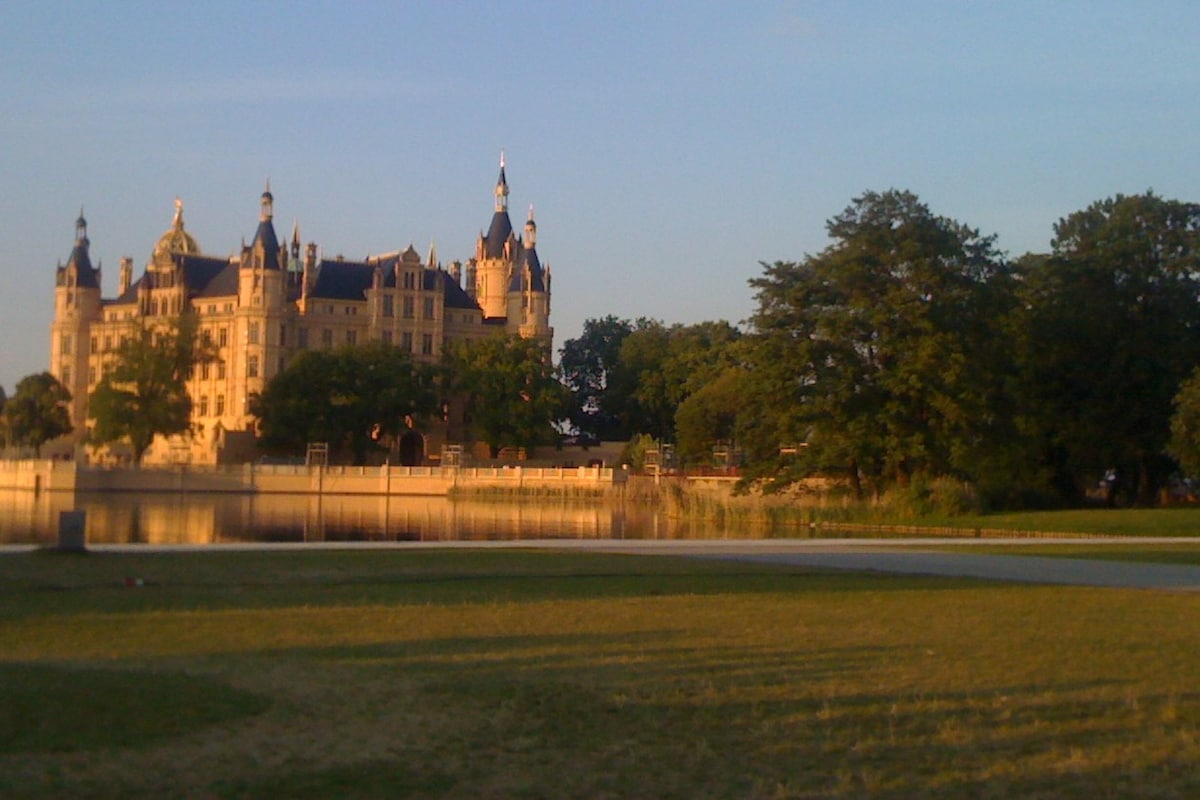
x=427, y=344
x=252, y=333
x=220, y=405
x=229, y=308
x=95, y=345
x=408, y=308
x=252, y=367
x=66, y=345
x=220, y=372
x=406, y=342
x=212, y=309
x=91, y=375
x=327, y=337
x=204, y=371
x=107, y=342
x=389, y=304
x=204, y=405
x=302, y=333
x=222, y=337
x=352, y=338
x=410, y=280
x=428, y=308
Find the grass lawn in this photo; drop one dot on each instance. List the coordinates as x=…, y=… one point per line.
x=541, y=674
x=1144, y=553
x=1169, y=521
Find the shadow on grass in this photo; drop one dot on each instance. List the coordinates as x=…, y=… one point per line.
x=41, y=584
x=544, y=716
x=53, y=708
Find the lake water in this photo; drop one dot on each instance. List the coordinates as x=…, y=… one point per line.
x=199, y=518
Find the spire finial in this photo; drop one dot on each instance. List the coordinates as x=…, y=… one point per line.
x=178, y=221
x=501, y=158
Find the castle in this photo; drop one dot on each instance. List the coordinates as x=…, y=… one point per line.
x=263, y=305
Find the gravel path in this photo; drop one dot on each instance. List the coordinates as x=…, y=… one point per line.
x=900, y=557
x=904, y=556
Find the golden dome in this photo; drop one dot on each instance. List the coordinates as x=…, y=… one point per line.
x=176, y=239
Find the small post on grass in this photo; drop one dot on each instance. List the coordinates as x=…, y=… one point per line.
x=72, y=531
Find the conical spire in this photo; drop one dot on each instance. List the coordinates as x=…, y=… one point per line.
x=81, y=229
x=501, y=188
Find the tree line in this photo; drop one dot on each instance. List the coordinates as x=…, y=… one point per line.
x=908, y=350
x=911, y=349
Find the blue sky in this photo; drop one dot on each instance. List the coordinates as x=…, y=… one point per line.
x=668, y=147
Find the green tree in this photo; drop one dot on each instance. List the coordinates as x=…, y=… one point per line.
x=584, y=367
x=513, y=396
x=353, y=398
x=877, y=353
x=143, y=393
x=709, y=415
x=1184, y=444
x=37, y=412
x=659, y=367
x=1111, y=330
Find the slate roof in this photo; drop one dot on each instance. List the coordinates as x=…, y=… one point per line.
x=86, y=276
x=270, y=244
x=497, y=235
x=208, y=277
x=350, y=280
x=536, y=273
x=343, y=280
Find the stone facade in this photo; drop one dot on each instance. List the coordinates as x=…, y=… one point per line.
x=272, y=300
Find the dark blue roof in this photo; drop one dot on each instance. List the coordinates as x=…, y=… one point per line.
x=208, y=277
x=537, y=280
x=343, y=280
x=455, y=296
x=350, y=280
x=265, y=235
x=497, y=235
x=86, y=277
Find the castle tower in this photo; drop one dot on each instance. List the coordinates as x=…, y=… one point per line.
x=259, y=326
x=495, y=254
x=76, y=307
x=528, y=306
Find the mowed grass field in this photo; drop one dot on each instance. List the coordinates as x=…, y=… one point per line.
x=541, y=674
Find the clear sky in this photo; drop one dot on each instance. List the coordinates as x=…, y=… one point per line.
x=668, y=147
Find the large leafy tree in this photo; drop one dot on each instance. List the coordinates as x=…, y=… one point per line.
x=352, y=398
x=709, y=415
x=513, y=396
x=143, y=393
x=660, y=366
x=872, y=358
x=1111, y=332
x=1184, y=444
x=37, y=412
x=584, y=367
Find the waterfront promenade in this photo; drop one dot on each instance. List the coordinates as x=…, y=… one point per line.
x=65, y=476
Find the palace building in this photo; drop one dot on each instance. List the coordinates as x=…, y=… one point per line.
x=271, y=300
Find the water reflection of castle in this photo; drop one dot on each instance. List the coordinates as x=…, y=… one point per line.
x=199, y=519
